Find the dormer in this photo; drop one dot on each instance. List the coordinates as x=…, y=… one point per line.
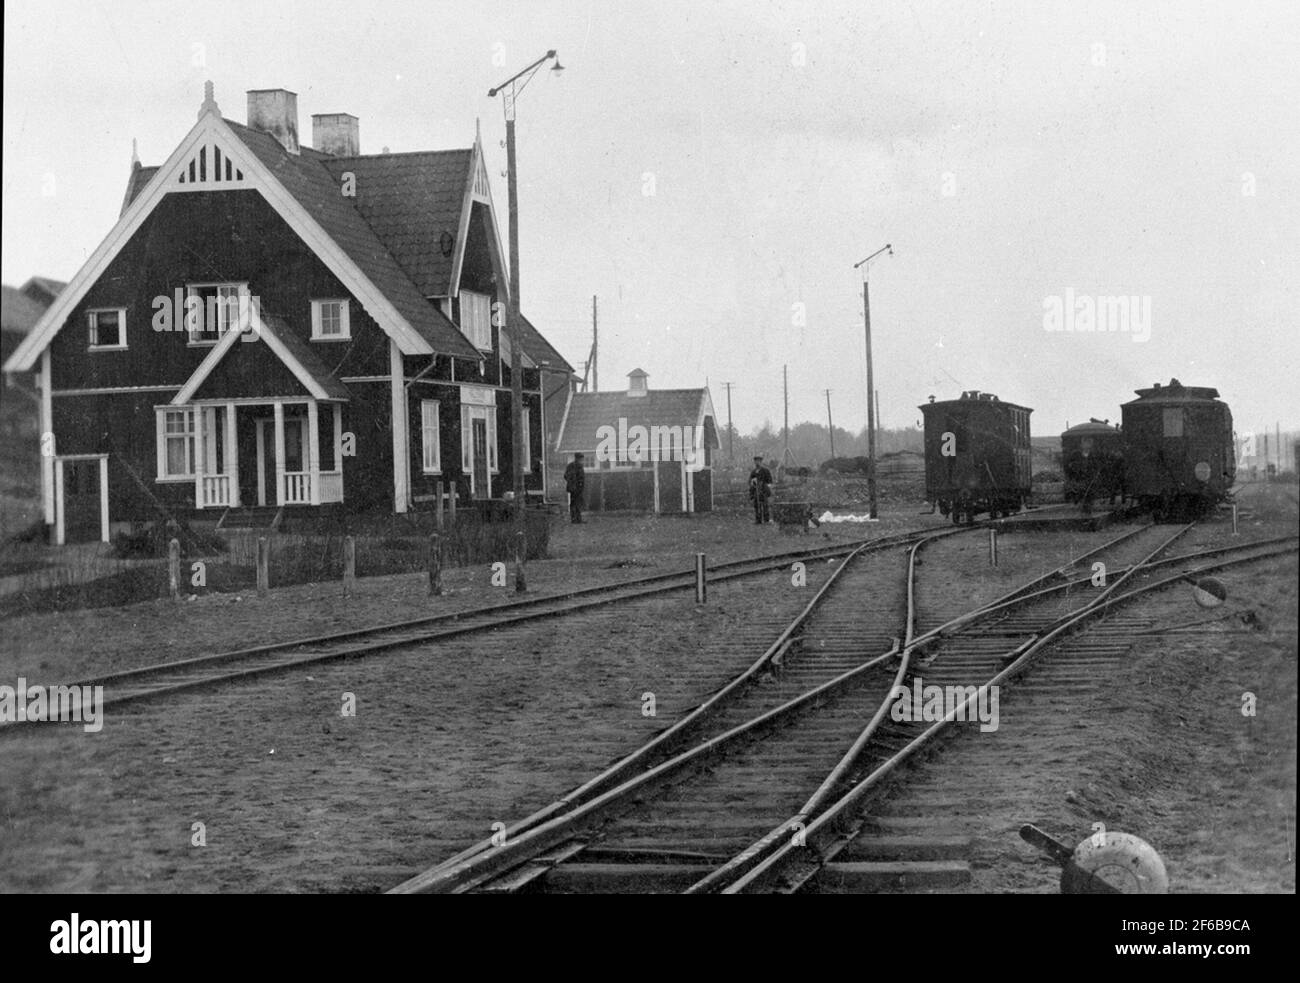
x=636, y=383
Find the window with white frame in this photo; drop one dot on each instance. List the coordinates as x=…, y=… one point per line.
x=330, y=320
x=212, y=309
x=430, y=438
x=175, y=443
x=476, y=319
x=107, y=328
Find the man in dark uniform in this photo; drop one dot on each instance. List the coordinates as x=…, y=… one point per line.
x=760, y=491
x=575, y=479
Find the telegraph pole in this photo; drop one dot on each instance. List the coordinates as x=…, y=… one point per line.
x=785, y=430
x=871, y=382
x=595, y=338
x=830, y=425
x=731, y=431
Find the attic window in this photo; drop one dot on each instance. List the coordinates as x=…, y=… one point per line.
x=330, y=320
x=107, y=328
x=216, y=313
x=476, y=319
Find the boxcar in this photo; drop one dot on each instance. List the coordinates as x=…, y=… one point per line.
x=1092, y=462
x=1179, y=454
x=977, y=456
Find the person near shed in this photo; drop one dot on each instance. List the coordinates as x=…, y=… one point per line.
x=575, y=480
x=760, y=491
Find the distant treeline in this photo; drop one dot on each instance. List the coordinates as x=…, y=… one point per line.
x=810, y=444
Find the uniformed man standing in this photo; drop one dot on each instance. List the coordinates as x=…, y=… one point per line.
x=760, y=491
x=575, y=480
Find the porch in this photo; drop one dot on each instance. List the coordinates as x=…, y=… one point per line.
x=267, y=452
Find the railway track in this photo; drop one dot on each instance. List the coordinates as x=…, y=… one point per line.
x=709, y=817
x=153, y=682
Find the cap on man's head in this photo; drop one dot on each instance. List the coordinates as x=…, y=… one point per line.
x=758, y=457
x=578, y=455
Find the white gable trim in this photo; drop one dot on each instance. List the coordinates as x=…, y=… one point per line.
x=477, y=172
x=260, y=333
x=208, y=129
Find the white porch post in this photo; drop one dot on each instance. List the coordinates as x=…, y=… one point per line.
x=279, y=453
x=103, y=499
x=48, y=448
x=338, y=437
x=200, y=456
x=58, y=496
x=401, y=444
x=313, y=450
x=232, y=455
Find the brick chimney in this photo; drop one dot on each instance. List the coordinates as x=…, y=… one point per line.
x=336, y=134
x=275, y=111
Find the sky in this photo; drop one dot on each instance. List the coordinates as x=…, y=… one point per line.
x=713, y=171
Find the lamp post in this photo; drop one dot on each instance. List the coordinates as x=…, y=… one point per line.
x=871, y=382
x=510, y=90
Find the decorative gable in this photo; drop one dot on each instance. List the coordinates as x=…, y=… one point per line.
x=211, y=168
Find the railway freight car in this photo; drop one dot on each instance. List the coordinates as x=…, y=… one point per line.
x=1092, y=462
x=1179, y=455
x=977, y=456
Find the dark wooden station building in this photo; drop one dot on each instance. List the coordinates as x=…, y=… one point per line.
x=275, y=326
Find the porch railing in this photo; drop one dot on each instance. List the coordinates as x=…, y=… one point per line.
x=331, y=486
x=215, y=491
x=297, y=488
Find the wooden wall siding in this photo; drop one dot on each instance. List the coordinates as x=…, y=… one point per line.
x=250, y=369
x=368, y=476
x=121, y=426
x=205, y=237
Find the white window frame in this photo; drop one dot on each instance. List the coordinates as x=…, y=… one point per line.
x=430, y=436
x=162, y=436
x=470, y=412
x=208, y=339
x=345, y=320
x=93, y=324
x=476, y=319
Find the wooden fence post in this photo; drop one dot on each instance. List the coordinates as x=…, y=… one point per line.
x=263, y=565
x=435, y=565
x=349, y=563
x=174, y=569
x=437, y=494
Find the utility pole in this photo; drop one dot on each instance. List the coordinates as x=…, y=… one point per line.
x=731, y=431
x=511, y=89
x=785, y=430
x=830, y=424
x=871, y=382
x=595, y=338
x=878, y=426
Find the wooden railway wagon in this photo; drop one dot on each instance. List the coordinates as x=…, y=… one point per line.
x=977, y=455
x=1092, y=462
x=1179, y=453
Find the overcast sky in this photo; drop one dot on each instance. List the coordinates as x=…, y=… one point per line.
x=706, y=168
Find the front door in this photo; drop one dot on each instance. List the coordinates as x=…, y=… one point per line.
x=482, y=486
x=247, y=442
x=81, y=503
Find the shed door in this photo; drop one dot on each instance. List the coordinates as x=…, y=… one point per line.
x=81, y=491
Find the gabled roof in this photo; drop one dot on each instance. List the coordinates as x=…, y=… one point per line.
x=540, y=350
x=19, y=311
x=305, y=194
x=588, y=412
x=412, y=201
x=306, y=177
x=139, y=177
x=296, y=354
